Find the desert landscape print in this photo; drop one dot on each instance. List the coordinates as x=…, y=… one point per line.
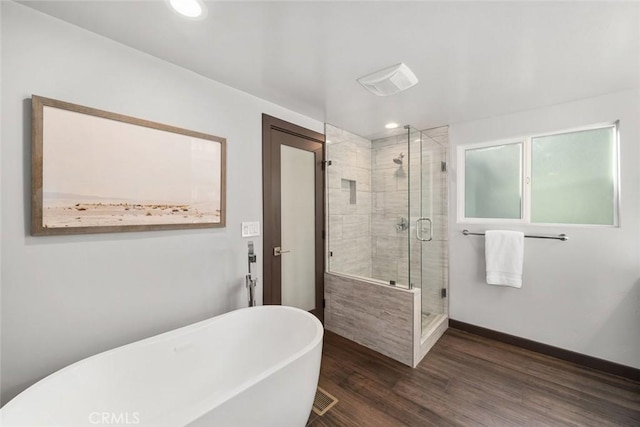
x=100, y=172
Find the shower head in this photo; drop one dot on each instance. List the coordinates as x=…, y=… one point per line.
x=398, y=160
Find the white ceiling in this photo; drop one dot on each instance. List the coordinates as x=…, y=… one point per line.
x=473, y=59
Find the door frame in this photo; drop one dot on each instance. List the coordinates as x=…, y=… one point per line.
x=271, y=173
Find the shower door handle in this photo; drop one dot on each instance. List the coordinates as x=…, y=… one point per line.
x=419, y=230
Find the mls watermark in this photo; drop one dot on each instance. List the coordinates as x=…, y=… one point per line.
x=114, y=418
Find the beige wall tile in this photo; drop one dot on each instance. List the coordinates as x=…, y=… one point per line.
x=376, y=316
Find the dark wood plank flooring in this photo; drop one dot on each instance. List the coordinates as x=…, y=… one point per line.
x=467, y=380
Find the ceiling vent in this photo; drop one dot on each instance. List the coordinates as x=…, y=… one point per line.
x=389, y=81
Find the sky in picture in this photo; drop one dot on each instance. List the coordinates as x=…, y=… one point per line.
x=94, y=157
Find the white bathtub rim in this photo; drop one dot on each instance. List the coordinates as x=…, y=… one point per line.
x=198, y=409
x=191, y=413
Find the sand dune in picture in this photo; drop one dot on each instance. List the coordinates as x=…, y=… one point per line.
x=84, y=211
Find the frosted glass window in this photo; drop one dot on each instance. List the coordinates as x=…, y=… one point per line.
x=573, y=177
x=493, y=183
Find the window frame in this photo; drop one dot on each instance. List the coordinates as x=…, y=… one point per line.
x=461, y=154
x=525, y=178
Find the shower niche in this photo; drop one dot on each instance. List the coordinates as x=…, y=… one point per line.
x=386, y=283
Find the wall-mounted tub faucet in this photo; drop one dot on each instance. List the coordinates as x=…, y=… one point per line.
x=402, y=224
x=250, y=281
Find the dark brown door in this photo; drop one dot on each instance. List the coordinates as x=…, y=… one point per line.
x=293, y=191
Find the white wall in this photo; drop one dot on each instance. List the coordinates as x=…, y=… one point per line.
x=65, y=298
x=582, y=295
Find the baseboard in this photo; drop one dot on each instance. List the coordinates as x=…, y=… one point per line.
x=569, y=356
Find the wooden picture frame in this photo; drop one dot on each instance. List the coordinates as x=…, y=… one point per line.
x=95, y=171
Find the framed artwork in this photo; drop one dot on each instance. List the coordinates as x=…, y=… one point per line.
x=97, y=172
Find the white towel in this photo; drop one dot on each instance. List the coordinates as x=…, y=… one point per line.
x=504, y=253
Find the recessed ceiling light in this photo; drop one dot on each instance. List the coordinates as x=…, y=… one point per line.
x=189, y=8
x=391, y=125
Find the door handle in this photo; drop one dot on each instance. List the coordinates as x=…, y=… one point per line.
x=277, y=251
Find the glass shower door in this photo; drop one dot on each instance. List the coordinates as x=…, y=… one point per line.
x=429, y=222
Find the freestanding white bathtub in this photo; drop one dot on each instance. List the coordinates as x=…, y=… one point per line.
x=254, y=367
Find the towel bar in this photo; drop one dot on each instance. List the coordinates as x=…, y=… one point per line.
x=562, y=236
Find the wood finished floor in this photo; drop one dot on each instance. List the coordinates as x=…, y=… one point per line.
x=467, y=380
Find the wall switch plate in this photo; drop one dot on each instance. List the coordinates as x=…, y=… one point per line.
x=250, y=229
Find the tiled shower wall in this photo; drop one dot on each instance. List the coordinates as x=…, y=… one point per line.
x=349, y=197
x=380, y=317
x=363, y=234
x=391, y=202
x=389, y=184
